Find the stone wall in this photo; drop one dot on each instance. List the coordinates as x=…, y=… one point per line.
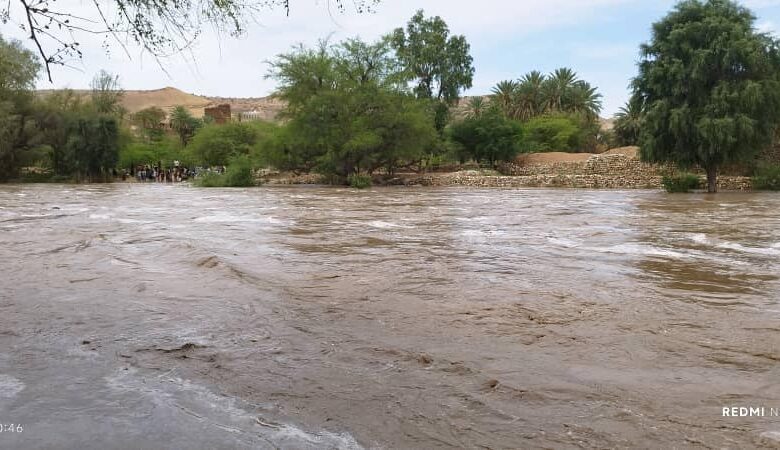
x=727, y=183
x=611, y=165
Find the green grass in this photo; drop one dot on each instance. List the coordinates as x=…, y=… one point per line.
x=359, y=181
x=767, y=179
x=684, y=182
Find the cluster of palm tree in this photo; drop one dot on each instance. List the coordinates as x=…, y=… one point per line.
x=536, y=94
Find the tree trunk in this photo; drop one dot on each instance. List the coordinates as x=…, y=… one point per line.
x=712, y=179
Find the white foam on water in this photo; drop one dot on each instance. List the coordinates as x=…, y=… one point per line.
x=563, y=242
x=171, y=391
x=227, y=218
x=100, y=217
x=699, y=238
x=775, y=245
x=385, y=225
x=641, y=249
x=772, y=250
x=10, y=386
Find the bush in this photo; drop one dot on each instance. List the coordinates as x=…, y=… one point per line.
x=359, y=181
x=684, y=182
x=553, y=134
x=767, y=178
x=238, y=174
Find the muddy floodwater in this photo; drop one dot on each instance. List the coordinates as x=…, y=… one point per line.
x=159, y=316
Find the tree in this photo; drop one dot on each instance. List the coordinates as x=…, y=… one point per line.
x=107, y=94
x=149, y=120
x=554, y=133
x=18, y=71
x=628, y=122
x=535, y=94
x=438, y=64
x=184, y=124
x=709, y=84
x=489, y=138
x=93, y=145
x=215, y=145
x=159, y=27
x=347, y=111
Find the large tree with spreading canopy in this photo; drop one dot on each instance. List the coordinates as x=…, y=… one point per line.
x=708, y=83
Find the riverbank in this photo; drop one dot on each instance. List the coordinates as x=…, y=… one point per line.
x=619, y=168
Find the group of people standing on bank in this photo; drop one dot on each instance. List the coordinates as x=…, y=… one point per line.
x=176, y=174
x=158, y=174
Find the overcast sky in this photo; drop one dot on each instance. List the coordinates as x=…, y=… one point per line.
x=597, y=38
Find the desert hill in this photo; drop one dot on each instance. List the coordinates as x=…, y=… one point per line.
x=267, y=108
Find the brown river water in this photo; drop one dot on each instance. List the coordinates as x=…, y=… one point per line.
x=158, y=316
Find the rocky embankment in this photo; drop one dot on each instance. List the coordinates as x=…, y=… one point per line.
x=616, y=169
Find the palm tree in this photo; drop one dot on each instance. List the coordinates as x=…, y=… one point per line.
x=584, y=99
x=557, y=86
x=184, y=124
x=505, y=96
x=476, y=107
x=531, y=95
x=628, y=122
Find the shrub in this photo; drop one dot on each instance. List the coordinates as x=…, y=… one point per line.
x=238, y=174
x=767, y=178
x=359, y=181
x=684, y=182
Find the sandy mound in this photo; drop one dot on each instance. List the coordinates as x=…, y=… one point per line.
x=553, y=157
x=631, y=152
x=165, y=98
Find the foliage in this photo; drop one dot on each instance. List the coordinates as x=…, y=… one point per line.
x=488, y=138
x=92, y=147
x=767, y=178
x=346, y=115
x=215, y=144
x=107, y=94
x=628, y=122
x=536, y=94
x=149, y=120
x=18, y=70
x=709, y=84
x=681, y=183
x=184, y=124
x=164, y=152
x=359, y=181
x=553, y=133
x=439, y=65
x=238, y=174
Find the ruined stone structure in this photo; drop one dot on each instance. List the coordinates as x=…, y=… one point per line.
x=220, y=113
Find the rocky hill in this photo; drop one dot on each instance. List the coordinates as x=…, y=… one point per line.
x=169, y=97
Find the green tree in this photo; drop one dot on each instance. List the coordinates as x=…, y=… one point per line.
x=215, y=145
x=709, y=83
x=18, y=71
x=347, y=111
x=184, y=124
x=559, y=133
x=489, y=138
x=93, y=146
x=149, y=120
x=439, y=65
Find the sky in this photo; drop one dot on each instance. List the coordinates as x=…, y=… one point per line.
x=599, y=39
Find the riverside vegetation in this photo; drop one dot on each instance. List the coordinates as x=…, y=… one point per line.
x=357, y=109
